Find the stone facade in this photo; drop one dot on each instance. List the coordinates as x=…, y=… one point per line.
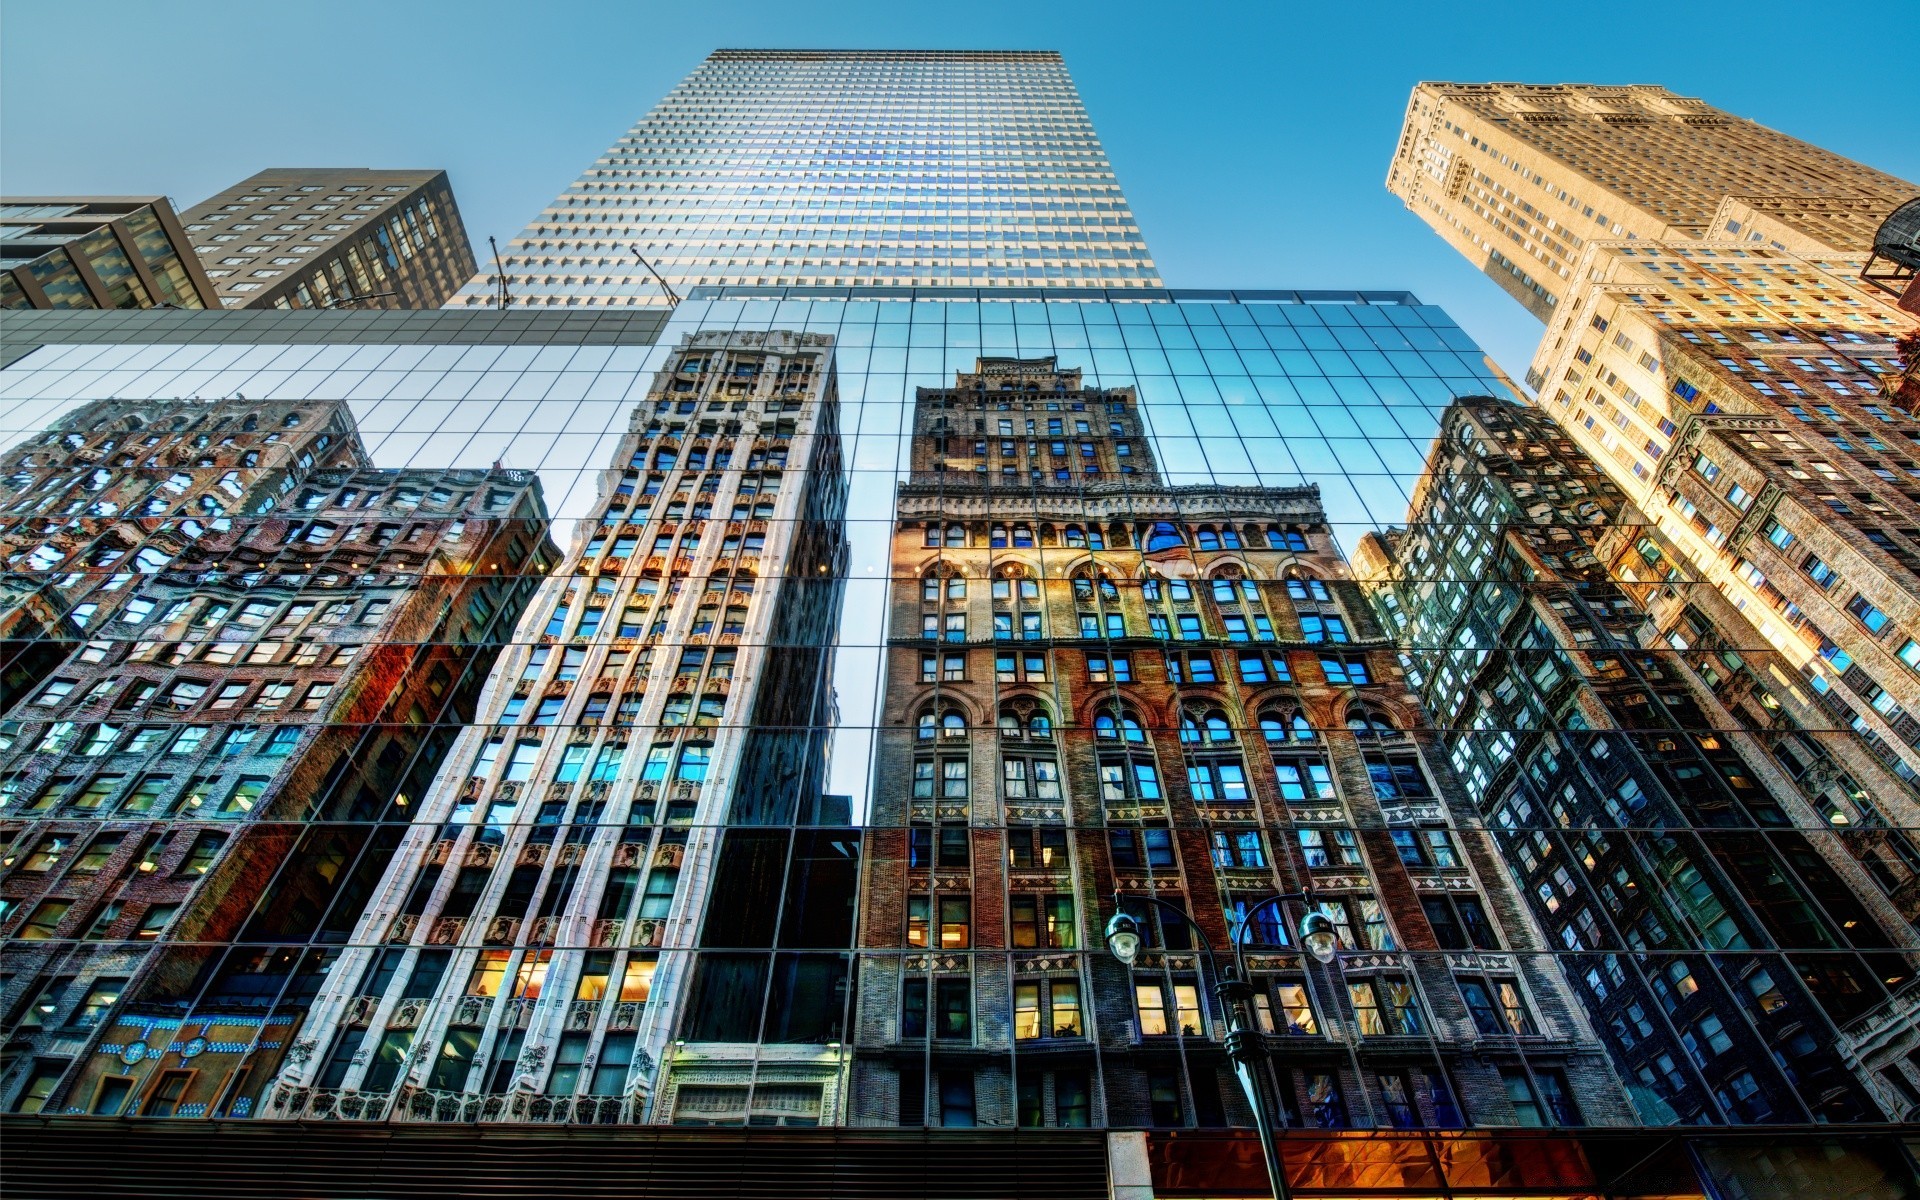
x=1521, y=178
x=1097, y=684
x=529, y=954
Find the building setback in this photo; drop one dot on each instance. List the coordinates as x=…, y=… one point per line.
x=1097, y=683
x=581, y=922
x=326, y=237
x=969, y=168
x=200, y=787
x=1519, y=178
x=1727, y=969
x=98, y=252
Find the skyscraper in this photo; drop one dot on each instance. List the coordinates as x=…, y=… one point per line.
x=1062, y=675
x=77, y=252
x=839, y=168
x=580, y=924
x=1627, y=823
x=323, y=237
x=1520, y=177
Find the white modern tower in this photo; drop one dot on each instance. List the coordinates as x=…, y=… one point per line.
x=837, y=168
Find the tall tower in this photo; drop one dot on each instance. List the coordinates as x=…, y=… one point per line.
x=1098, y=684
x=1520, y=177
x=1576, y=743
x=581, y=922
x=838, y=168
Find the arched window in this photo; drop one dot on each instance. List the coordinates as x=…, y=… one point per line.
x=1209, y=727
x=1282, y=726
x=942, y=582
x=1243, y=615
x=1029, y=770
x=1371, y=721
x=1164, y=535
x=956, y=535
x=1123, y=726
x=1075, y=536
x=947, y=723
x=1207, y=538
x=1096, y=599
x=1229, y=537
x=1302, y=588
x=1287, y=539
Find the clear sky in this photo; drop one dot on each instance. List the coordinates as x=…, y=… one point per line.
x=1252, y=139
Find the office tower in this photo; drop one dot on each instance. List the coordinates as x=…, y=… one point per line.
x=1686, y=851
x=197, y=790
x=1101, y=685
x=326, y=237
x=629, y=794
x=97, y=252
x=838, y=168
x=1519, y=178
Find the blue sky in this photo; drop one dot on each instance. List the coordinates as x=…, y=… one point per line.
x=1252, y=139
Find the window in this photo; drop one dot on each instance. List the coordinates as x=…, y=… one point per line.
x=956, y=922
x=1460, y=922
x=1329, y=847
x=1385, y=1007
x=1042, y=922
x=1540, y=1097
x=1867, y=614
x=1238, y=848
x=1304, y=779
x=1163, y=1009
x=1133, y=848
x=1346, y=671
x=1046, y=1008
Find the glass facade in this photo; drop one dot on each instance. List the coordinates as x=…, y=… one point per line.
x=899, y=629
x=839, y=168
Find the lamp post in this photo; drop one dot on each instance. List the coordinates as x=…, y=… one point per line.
x=1245, y=1046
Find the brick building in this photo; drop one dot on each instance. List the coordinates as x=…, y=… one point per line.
x=590, y=918
x=1096, y=682
x=1628, y=787
x=196, y=795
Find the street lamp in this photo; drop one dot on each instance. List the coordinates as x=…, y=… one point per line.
x=1244, y=1045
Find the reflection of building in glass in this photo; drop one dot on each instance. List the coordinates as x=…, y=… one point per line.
x=631, y=792
x=968, y=168
x=1781, y=478
x=1520, y=178
x=319, y=237
x=115, y=490
x=97, y=252
x=193, y=797
x=1096, y=683
x=1727, y=895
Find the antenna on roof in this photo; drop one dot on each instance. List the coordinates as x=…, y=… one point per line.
x=664, y=285
x=504, y=299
